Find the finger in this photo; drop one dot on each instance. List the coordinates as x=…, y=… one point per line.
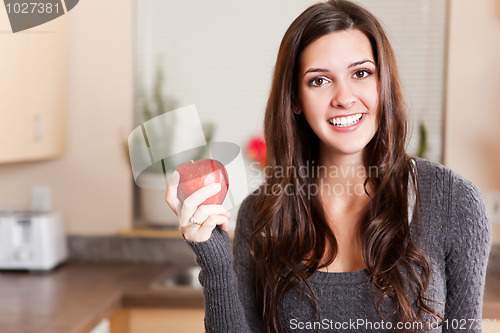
x=202, y=233
x=171, y=195
x=204, y=211
x=190, y=205
x=225, y=226
x=211, y=222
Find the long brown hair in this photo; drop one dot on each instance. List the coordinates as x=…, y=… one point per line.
x=290, y=227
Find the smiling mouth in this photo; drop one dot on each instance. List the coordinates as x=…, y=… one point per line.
x=346, y=121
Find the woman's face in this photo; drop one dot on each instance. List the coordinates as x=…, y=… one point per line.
x=338, y=91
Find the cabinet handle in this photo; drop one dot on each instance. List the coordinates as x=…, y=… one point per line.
x=40, y=128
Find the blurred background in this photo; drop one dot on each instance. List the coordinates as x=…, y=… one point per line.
x=75, y=87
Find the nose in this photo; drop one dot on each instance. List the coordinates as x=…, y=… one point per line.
x=343, y=98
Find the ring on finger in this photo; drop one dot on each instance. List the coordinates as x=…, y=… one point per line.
x=195, y=221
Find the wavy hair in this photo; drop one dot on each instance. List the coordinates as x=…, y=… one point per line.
x=291, y=228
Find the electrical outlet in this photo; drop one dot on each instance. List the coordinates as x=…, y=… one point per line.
x=41, y=197
x=493, y=205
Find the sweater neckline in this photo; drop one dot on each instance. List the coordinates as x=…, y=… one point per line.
x=338, y=278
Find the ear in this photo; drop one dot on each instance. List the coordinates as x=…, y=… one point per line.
x=297, y=108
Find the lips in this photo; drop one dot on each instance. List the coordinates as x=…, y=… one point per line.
x=346, y=121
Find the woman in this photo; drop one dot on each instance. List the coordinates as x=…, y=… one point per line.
x=355, y=235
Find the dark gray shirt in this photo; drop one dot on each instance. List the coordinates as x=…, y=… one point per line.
x=457, y=241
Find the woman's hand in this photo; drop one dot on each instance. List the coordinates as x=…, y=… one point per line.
x=196, y=221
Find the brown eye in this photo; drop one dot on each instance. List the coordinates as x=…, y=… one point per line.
x=362, y=73
x=318, y=81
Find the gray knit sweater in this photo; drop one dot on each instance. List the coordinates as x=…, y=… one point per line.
x=457, y=242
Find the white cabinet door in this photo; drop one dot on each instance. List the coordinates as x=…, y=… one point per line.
x=102, y=327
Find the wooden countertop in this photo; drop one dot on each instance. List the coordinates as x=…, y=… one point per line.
x=75, y=297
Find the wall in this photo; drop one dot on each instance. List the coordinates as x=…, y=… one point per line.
x=472, y=141
x=91, y=185
x=473, y=99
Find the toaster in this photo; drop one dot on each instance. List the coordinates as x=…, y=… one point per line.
x=31, y=240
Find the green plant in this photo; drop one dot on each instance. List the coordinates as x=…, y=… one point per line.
x=422, y=144
x=157, y=103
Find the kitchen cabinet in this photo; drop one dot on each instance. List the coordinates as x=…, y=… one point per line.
x=33, y=105
x=158, y=320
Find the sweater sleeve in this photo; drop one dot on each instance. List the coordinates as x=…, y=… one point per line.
x=468, y=243
x=226, y=279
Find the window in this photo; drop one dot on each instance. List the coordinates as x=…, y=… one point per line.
x=220, y=54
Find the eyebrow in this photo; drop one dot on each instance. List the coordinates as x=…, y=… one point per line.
x=357, y=63
x=323, y=70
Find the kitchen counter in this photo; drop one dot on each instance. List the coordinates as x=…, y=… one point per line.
x=75, y=297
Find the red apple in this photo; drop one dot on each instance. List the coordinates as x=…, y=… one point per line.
x=197, y=174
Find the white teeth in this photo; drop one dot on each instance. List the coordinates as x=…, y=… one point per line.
x=346, y=121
